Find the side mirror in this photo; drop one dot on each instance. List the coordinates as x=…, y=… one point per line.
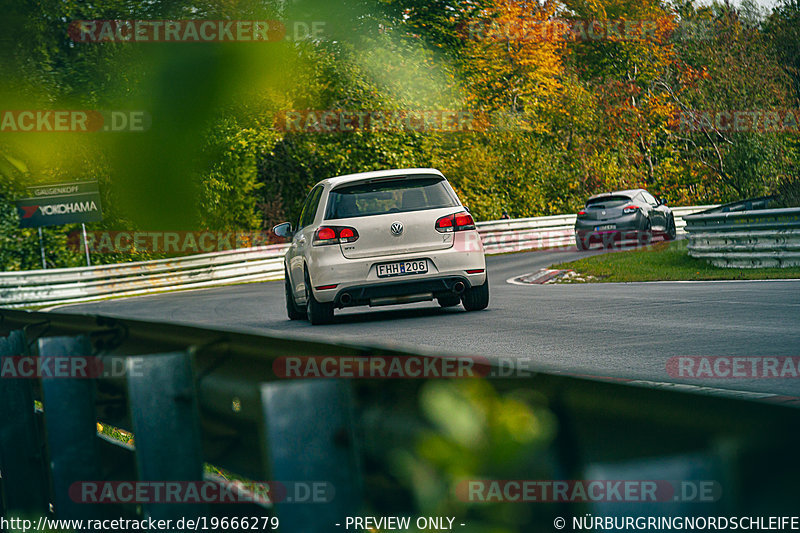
x=662, y=200
x=283, y=230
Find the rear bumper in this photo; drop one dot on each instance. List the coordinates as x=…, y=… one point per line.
x=628, y=223
x=363, y=294
x=360, y=278
x=626, y=229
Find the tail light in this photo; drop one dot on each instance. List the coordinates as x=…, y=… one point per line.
x=445, y=224
x=581, y=212
x=457, y=222
x=627, y=210
x=334, y=235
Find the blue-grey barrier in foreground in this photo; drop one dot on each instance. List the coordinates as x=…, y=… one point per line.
x=213, y=406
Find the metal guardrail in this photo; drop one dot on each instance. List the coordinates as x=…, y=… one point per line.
x=195, y=396
x=44, y=288
x=74, y=285
x=746, y=239
x=748, y=204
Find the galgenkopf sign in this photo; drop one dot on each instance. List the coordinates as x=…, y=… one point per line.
x=63, y=203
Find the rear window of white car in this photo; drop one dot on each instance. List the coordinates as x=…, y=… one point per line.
x=389, y=195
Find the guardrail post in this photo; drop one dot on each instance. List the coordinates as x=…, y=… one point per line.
x=166, y=426
x=310, y=443
x=22, y=469
x=71, y=426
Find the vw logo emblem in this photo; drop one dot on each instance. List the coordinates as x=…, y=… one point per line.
x=603, y=213
x=397, y=228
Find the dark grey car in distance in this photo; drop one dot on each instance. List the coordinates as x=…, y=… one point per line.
x=632, y=214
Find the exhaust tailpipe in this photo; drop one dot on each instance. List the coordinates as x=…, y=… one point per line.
x=345, y=299
x=458, y=287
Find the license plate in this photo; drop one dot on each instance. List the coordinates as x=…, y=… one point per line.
x=607, y=226
x=402, y=268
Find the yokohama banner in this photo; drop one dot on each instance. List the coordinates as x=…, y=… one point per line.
x=65, y=203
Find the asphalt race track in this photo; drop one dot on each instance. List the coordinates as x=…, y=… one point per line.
x=604, y=329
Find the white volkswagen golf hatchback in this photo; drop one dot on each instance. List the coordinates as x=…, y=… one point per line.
x=382, y=238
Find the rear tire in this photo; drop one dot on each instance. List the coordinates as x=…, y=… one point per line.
x=476, y=298
x=318, y=312
x=646, y=234
x=582, y=243
x=672, y=231
x=291, y=307
x=449, y=301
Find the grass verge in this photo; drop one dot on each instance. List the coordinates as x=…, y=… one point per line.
x=665, y=261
